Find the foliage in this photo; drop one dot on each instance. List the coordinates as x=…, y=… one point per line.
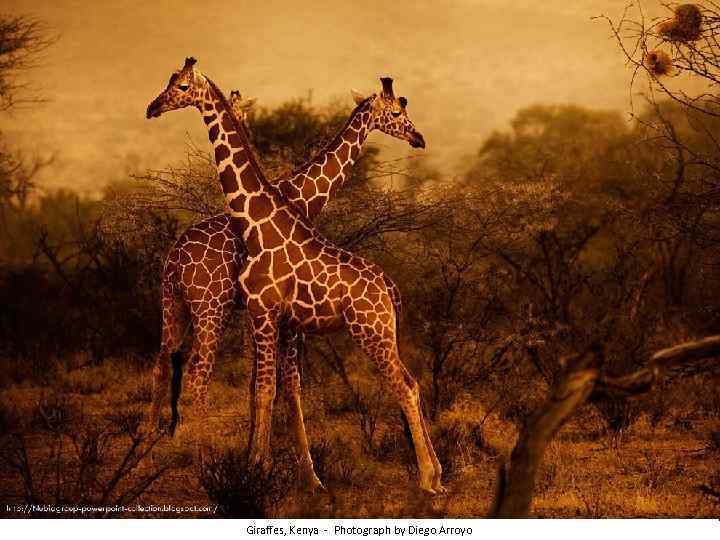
x=242, y=489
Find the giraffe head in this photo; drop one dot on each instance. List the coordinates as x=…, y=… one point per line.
x=389, y=114
x=241, y=106
x=186, y=87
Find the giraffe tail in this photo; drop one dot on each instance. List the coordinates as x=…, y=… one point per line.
x=175, y=388
x=397, y=305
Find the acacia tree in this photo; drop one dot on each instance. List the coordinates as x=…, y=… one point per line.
x=676, y=48
x=451, y=298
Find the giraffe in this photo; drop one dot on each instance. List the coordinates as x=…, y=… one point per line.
x=294, y=278
x=200, y=274
x=199, y=280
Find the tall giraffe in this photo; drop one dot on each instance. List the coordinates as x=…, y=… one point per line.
x=296, y=280
x=199, y=280
x=200, y=274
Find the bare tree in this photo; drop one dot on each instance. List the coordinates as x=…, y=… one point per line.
x=675, y=62
x=22, y=40
x=682, y=42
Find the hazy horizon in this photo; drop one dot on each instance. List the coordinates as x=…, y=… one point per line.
x=466, y=68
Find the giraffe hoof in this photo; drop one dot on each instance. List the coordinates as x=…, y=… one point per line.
x=311, y=482
x=316, y=487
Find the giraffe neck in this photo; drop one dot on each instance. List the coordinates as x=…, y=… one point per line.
x=251, y=199
x=312, y=185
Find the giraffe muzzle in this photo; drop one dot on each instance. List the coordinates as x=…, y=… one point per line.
x=416, y=140
x=153, y=110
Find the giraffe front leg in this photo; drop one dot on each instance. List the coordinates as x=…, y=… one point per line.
x=437, y=479
x=265, y=338
x=408, y=393
x=289, y=357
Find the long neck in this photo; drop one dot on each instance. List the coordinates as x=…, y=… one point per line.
x=311, y=186
x=252, y=200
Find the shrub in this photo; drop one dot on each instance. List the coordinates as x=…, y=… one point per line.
x=84, y=385
x=55, y=414
x=619, y=414
x=245, y=490
x=81, y=466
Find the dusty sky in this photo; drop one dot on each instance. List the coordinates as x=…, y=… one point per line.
x=466, y=67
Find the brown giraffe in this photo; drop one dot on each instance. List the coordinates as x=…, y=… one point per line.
x=294, y=278
x=199, y=282
x=200, y=275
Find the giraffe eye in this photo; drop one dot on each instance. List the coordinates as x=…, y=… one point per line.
x=395, y=113
x=184, y=87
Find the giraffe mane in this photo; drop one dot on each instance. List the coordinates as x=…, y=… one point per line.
x=241, y=130
x=334, y=140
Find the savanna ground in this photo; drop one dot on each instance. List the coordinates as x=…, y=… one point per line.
x=657, y=466
x=572, y=229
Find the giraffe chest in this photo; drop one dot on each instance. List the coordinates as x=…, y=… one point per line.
x=306, y=284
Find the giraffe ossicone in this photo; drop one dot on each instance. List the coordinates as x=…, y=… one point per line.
x=294, y=278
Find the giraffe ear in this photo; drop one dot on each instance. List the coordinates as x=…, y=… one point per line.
x=403, y=101
x=248, y=103
x=357, y=96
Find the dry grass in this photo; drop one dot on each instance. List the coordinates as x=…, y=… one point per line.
x=658, y=468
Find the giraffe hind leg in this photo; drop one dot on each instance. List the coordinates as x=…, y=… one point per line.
x=382, y=348
x=207, y=330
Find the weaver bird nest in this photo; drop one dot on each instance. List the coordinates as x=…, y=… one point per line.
x=685, y=26
x=658, y=63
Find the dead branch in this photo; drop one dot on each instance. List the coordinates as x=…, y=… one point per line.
x=584, y=382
